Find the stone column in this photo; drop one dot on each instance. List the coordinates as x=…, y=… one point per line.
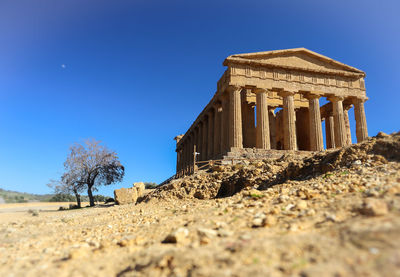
x=235, y=118
x=187, y=155
x=347, y=124
x=178, y=161
x=210, y=140
x=184, y=158
x=272, y=126
x=316, y=139
x=203, y=153
x=361, y=121
x=263, y=137
x=289, y=124
x=191, y=169
x=200, y=141
x=248, y=120
x=178, y=153
x=187, y=150
x=217, y=128
x=181, y=164
x=196, y=140
x=339, y=125
x=330, y=132
x=224, y=123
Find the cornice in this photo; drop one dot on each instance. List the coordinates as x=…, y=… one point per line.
x=313, y=54
x=232, y=61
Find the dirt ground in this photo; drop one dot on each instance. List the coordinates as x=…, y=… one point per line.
x=335, y=221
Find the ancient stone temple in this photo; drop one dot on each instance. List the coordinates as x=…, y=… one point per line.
x=269, y=102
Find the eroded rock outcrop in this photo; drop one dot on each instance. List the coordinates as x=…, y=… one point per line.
x=228, y=180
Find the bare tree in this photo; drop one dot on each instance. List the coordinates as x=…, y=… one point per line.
x=93, y=165
x=68, y=185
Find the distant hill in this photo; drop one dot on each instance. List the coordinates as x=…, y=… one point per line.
x=9, y=196
x=21, y=197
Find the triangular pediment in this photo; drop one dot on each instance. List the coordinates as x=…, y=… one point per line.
x=299, y=58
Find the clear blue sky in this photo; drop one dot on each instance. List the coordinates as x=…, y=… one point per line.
x=137, y=73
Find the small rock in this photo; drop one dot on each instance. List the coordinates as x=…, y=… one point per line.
x=224, y=233
x=330, y=217
x=270, y=220
x=357, y=162
x=245, y=237
x=301, y=205
x=293, y=227
x=258, y=222
x=209, y=233
x=259, y=215
x=283, y=198
x=311, y=212
x=274, y=210
x=221, y=224
x=371, y=193
x=77, y=253
x=177, y=236
x=393, y=190
x=373, y=250
x=289, y=207
x=374, y=207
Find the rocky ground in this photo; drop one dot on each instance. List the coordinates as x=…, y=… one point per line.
x=335, y=213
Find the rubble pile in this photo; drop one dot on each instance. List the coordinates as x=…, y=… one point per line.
x=223, y=181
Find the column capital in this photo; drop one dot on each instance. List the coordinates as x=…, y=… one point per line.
x=178, y=138
x=284, y=93
x=217, y=104
x=360, y=99
x=259, y=90
x=312, y=94
x=233, y=88
x=335, y=98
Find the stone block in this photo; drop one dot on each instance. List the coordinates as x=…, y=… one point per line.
x=140, y=188
x=125, y=196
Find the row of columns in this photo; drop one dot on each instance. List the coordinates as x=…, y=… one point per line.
x=221, y=128
x=337, y=124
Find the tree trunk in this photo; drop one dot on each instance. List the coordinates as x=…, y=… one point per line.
x=91, y=199
x=78, y=199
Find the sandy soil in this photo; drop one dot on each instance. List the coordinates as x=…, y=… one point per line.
x=12, y=211
x=344, y=222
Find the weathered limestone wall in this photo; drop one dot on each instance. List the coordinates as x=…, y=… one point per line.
x=253, y=153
